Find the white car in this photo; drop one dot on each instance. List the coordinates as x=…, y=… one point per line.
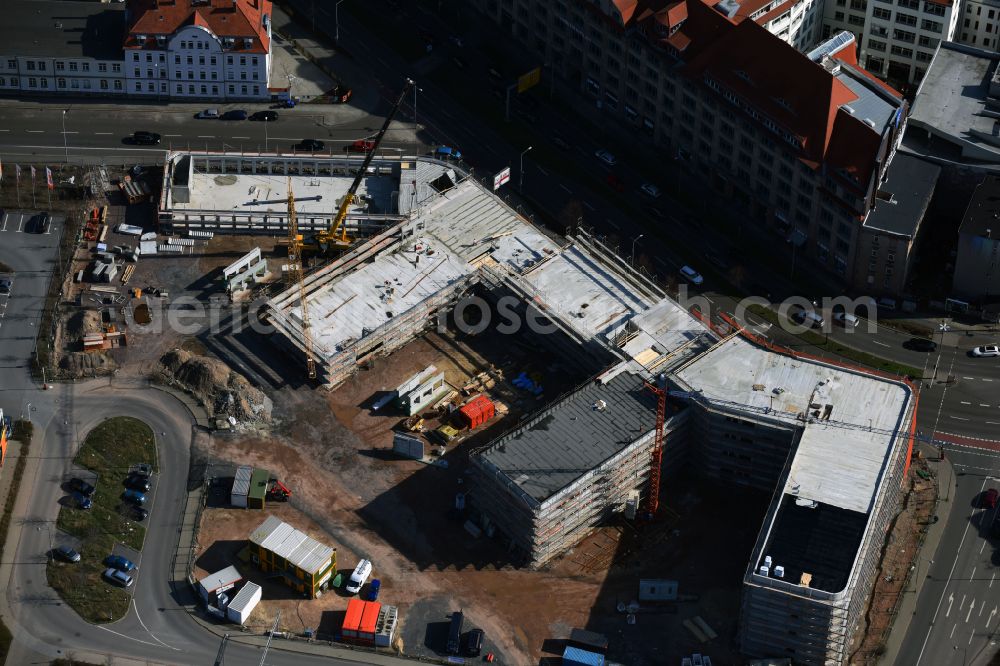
x=691, y=275
x=651, y=190
x=208, y=114
x=986, y=350
x=606, y=157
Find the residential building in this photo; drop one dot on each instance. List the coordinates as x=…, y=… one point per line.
x=199, y=49
x=977, y=265
x=900, y=39
x=952, y=118
x=979, y=24
x=62, y=47
x=888, y=235
x=302, y=563
x=799, y=141
x=797, y=22
x=162, y=49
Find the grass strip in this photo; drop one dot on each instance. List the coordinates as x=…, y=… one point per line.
x=23, y=431
x=50, y=313
x=109, y=451
x=825, y=344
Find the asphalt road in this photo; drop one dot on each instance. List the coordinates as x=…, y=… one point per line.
x=956, y=619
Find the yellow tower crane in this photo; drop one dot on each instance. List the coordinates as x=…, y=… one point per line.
x=296, y=273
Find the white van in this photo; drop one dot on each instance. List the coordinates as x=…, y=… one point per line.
x=809, y=318
x=358, y=578
x=846, y=319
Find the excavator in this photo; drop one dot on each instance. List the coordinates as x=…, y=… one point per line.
x=335, y=238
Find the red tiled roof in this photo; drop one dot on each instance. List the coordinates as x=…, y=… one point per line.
x=626, y=8
x=851, y=140
x=224, y=18
x=783, y=8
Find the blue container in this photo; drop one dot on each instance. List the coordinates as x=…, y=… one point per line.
x=574, y=656
x=376, y=584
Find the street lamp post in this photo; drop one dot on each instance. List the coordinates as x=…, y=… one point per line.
x=415, y=89
x=65, y=144
x=520, y=184
x=634, y=241
x=265, y=134
x=336, y=20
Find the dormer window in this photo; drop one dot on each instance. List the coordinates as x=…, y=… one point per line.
x=247, y=43
x=140, y=38
x=743, y=75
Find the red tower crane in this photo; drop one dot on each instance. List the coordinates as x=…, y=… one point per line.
x=656, y=454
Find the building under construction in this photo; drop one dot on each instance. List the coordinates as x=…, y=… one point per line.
x=831, y=443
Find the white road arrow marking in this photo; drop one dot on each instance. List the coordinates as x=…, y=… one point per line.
x=971, y=606
x=990, y=618
x=951, y=600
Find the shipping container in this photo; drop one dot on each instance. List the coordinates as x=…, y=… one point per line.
x=369, y=621
x=588, y=640
x=574, y=656
x=477, y=411
x=352, y=619
x=241, y=487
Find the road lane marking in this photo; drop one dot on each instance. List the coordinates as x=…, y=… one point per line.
x=69, y=132
x=959, y=418
x=986, y=379
x=994, y=422
x=35, y=131
x=968, y=377
x=542, y=170
x=20, y=223
x=954, y=565
x=973, y=577
x=971, y=607
x=103, y=133
x=136, y=608
x=990, y=618
x=966, y=402
x=202, y=136
x=588, y=206
x=614, y=225
x=172, y=135
x=983, y=404
x=133, y=639
x=240, y=137
x=880, y=343
x=982, y=607
x=5, y=215
x=994, y=573
x=952, y=634
x=964, y=597
x=971, y=636
x=568, y=191
x=951, y=600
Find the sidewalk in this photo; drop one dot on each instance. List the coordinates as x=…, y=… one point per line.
x=907, y=608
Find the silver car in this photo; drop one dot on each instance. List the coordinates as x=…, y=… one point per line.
x=209, y=114
x=117, y=577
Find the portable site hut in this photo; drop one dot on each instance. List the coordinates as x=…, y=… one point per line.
x=258, y=489
x=243, y=603
x=303, y=563
x=361, y=622
x=241, y=487
x=213, y=584
x=477, y=411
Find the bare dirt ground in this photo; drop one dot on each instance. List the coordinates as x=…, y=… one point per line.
x=897, y=569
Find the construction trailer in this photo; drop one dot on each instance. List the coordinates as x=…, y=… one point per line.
x=257, y=493
x=304, y=564
x=245, y=272
x=216, y=583
x=241, y=487
x=242, y=605
x=421, y=390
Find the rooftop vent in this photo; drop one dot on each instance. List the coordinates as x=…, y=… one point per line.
x=848, y=108
x=600, y=406
x=869, y=122
x=779, y=571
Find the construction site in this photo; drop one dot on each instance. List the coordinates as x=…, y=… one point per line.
x=495, y=413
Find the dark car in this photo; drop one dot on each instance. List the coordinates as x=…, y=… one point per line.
x=137, y=483
x=144, y=470
x=309, y=145
x=454, y=644
x=81, y=501
x=235, y=114
x=341, y=94
x=38, y=224
x=120, y=563
x=560, y=143
x=5, y=284
x=920, y=345
x=990, y=498
x=138, y=513
x=134, y=497
x=474, y=643
x=268, y=116
x=145, y=138
x=81, y=486
x=66, y=554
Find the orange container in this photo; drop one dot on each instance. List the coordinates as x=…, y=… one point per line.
x=477, y=411
x=355, y=609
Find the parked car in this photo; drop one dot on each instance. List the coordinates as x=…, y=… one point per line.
x=267, y=116
x=309, y=145
x=447, y=153
x=920, y=345
x=361, y=146
x=691, y=275
x=373, y=589
x=651, y=190
x=846, y=319
x=208, y=114
x=66, y=554
x=117, y=577
x=235, y=114
x=455, y=632
x=145, y=138
x=5, y=284
x=474, y=642
x=120, y=563
x=809, y=318
x=616, y=183
x=38, y=224
x=494, y=73
x=141, y=469
x=606, y=157
x=990, y=498
x=986, y=350
x=139, y=483
x=82, y=501
x=134, y=497
x=138, y=513
x=358, y=576
x=81, y=486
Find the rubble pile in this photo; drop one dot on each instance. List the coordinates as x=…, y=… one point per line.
x=224, y=393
